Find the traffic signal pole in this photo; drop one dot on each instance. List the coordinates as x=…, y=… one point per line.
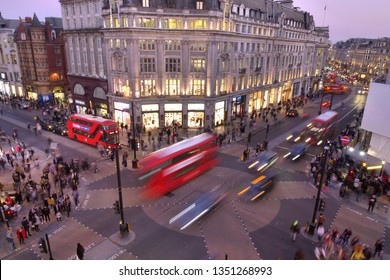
x=48, y=247
x=319, y=188
x=122, y=224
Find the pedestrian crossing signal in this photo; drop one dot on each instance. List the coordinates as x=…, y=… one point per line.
x=42, y=245
x=322, y=205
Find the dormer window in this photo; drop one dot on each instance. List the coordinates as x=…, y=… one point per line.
x=23, y=36
x=53, y=35
x=145, y=3
x=199, y=5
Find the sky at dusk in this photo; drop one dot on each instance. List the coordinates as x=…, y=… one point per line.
x=345, y=18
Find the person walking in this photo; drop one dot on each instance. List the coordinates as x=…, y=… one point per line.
x=26, y=226
x=21, y=234
x=10, y=238
x=371, y=203
x=80, y=251
x=379, y=244
x=294, y=230
x=320, y=232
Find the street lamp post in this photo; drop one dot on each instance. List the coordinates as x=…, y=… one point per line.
x=322, y=99
x=133, y=142
x=312, y=226
x=123, y=227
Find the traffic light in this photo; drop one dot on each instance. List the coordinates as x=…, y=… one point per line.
x=322, y=205
x=42, y=245
x=116, y=207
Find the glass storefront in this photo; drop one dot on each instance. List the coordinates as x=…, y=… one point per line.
x=122, y=112
x=150, y=116
x=173, y=114
x=195, y=115
x=101, y=109
x=81, y=108
x=238, y=106
x=219, y=113
x=32, y=95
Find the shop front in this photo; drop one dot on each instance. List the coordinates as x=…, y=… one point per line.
x=59, y=96
x=286, y=91
x=220, y=113
x=255, y=102
x=238, y=106
x=100, y=103
x=150, y=113
x=195, y=115
x=81, y=107
x=122, y=112
x=173, y=114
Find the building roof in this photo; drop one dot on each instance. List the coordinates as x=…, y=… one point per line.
x=35, y=21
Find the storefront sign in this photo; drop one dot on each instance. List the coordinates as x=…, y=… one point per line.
x=79, y=102
x=196, y=107
x=121, y=106
x=220, y=105
x=173, y=107
x=150, y=108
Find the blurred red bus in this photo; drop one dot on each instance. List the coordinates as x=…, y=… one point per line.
x=321, y=128
x=335, y=88
x=173, y=166
x=92, y=130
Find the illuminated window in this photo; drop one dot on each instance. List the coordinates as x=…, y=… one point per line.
x=198, y=65
x=148, y=87
x=172, y=87
x=198, y=24
x=173, y=23
x=197, y=87
x=199, y=5
x=172, y=65
x=145, y=3
x=147, y=22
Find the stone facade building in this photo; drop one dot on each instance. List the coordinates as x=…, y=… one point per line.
x=198, y=63
x=87, y=76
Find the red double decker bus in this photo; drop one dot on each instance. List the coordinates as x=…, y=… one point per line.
x=321, y=128
x=92, y=130
x=173, y=166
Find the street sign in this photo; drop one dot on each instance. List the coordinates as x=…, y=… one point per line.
x=345, y=140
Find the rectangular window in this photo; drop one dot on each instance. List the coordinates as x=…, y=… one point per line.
x=199, y=5
x=145, y=3
x=198, y=65
x=147, y=64
x=198, y=24
x=197, y=87
x=146, y=45
x=148, y=87
x=198, y=47
x=172, y=87
x=172, y=65
x=172, y=45
x=147, y=22
x=173, y=23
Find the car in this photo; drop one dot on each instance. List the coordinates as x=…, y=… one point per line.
x=264, y=161
x=297, y=151
x=200, y=207
x=325, y=104
x=259, y=186
x=46, y=124
x=296, y=136
x=292, y=113
x=60, y=128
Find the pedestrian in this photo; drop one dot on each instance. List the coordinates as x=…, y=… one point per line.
x=321, y=219
x=58, y=216
x=26, y=226
x=294, y=230
x=80, y=251
x=75, y=195
x=21, y=234
x=371, y=203
x=379, y=247
x=320, y=232
x=10, y=238
x=37, y=222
